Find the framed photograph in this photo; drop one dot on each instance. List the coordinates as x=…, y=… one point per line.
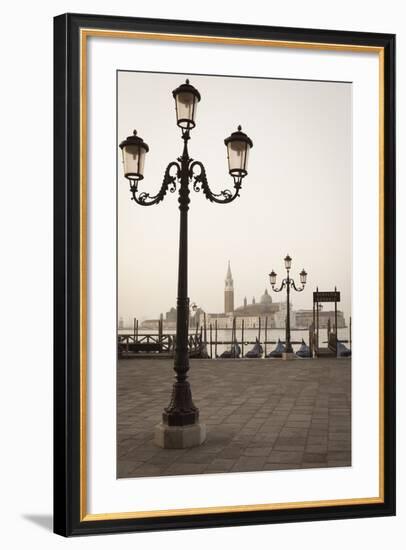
x=227, y=356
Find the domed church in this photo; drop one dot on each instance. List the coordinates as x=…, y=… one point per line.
x=264, y=308
x=250, y=313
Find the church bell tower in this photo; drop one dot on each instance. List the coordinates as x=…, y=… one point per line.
x=229, y=292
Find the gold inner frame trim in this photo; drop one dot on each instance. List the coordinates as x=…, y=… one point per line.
x=171, y=37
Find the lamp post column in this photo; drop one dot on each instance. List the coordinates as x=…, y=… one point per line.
x=182, y=320
x=181, y=410
x=288, y=345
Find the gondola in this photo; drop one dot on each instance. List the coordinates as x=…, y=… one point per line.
x=304, y=351
x=256, y=352
x=233, y=353
x=277, y=352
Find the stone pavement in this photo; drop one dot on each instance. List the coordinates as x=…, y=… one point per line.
x=260, y=414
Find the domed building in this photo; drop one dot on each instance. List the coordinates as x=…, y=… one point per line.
x=264, y=311
x=266, y=298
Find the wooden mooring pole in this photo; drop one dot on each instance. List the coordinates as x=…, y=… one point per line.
x=233, y=338
x=266, y=333
x=350, y=333
x=242, y=337
x=160, y=329
x=215, y=333
x=211, y=341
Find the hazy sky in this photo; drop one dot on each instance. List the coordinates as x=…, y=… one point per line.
x=296, y=198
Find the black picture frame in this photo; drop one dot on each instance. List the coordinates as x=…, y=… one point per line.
x=68, y=518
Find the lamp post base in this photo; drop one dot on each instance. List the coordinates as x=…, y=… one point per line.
x=179, y=437
x=288, y=356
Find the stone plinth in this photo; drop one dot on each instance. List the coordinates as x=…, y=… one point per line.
x=179, y=437
x=288, y=356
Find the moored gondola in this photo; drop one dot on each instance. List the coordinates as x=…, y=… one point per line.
x=342, y=350
x=256, y=352
x=277, y=352
x=233, y=353
x=304, y=351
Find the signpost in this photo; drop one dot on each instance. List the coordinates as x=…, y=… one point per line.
x=329, y=296
x=325, y=296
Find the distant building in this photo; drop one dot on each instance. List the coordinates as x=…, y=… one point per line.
x=229, y=292
x=169, y=321
x=151, y=324
x=249, y=313
x=304, y=318
x=171, y=315
x=280, y=316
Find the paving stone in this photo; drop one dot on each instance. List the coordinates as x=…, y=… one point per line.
x=296, y=424
x=220, y=465
x=149, y=470
x=314, y=457
x=286, y=457
x=318, y=440
x=289, y=446
x=282, y=466
x=248, y=463
x=339, y=445
x=185, y=468
x=339, y=455
x=306, y=465
x=300, y=418
x=257, y=451
x=338, y=436
x=127, y=467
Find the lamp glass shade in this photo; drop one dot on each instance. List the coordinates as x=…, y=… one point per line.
x=238, y=146
x=186, y=104
x=134, y=149
x=134, y=161
x=186, y=100
x=237, y=153
x=288, y=262
x=272, y=277
x=303, y=277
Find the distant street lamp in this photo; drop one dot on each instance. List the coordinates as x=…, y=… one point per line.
x=180, y=420
x=288, y=282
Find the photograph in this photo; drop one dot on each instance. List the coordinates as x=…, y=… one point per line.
x=234, y=291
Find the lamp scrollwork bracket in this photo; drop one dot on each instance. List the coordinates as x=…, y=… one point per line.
x=199, y=179
x=169, y=184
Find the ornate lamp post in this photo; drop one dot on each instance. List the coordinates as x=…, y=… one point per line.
x=180, y=425
x=288, y=282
